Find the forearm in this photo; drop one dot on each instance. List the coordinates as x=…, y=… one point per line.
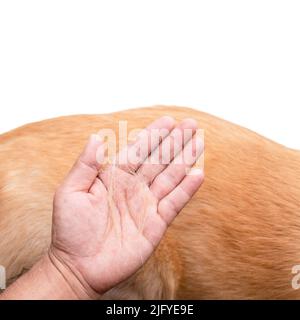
x=45, y=281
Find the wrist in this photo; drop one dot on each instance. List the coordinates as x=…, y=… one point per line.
x=56, y=282
x=70, y=278
x=48, y=279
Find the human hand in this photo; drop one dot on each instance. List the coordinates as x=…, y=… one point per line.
x=106, y=225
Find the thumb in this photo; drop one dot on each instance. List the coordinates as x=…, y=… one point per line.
x=86, y=169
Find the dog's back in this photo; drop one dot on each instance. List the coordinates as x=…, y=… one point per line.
x=237, y=238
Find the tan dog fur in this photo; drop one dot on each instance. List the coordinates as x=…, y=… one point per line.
x=238, y=238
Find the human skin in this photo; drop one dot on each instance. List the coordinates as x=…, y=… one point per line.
x=102, y=234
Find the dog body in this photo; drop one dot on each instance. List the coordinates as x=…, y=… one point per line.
x=238, y=238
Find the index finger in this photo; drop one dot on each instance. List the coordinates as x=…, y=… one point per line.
x=132, y=156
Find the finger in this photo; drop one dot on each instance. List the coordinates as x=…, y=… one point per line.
x=168, y=149
x=85, y=170
x=132, y=156
x=173, y=203
x=177, y=170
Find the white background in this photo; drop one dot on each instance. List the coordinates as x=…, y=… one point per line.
x=239, y=60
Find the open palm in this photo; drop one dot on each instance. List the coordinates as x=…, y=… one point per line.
x=108, y=220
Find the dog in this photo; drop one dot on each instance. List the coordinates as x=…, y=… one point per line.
x=238, y=238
